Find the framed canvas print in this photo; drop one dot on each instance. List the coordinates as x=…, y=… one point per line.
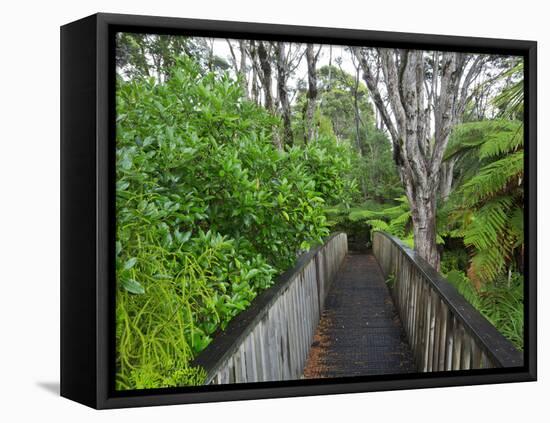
x=254, y=211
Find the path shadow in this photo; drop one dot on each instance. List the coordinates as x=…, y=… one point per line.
x=51, y=387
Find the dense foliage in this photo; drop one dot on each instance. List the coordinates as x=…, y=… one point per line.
x=217, y=194
x=208, y=212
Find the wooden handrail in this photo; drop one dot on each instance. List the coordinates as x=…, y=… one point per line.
x=270, y=340
x=444, y=331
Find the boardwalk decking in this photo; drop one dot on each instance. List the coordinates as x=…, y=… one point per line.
x=360, y=332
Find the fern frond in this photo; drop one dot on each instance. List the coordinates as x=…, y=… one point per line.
x=494, y=178
x=493, y=236
x=502, y=142
x=465, y=137
x=358, y=215
x=511, y=99
x=378, y=225
x=488, y=224
x=473, y=135
x=400, y=226
x=487, y=264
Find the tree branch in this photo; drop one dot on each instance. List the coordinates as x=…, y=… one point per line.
x=376, y=97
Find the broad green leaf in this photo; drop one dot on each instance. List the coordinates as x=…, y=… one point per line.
x=130, y=263
x=133, y=286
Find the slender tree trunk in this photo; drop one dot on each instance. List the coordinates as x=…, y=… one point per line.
x=255, y=90
x=242, y=68
x=446, y=181
x=144, y=60
x=265, y=77
x=211, y=55
x=311, y=59
x=358, y=128
x=255, y=68
x=282, y=89
x=329, y=84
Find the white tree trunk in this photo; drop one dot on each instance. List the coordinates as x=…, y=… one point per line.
x=311, y=59
x=282, y=89
x=446, y=179
x=423, y=213
x=407, y=118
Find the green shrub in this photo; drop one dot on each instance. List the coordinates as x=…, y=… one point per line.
x=330, y=165
x=208, y=212
x=454, y=259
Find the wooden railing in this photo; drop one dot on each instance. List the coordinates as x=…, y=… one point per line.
x=271, y=339
x=444, y=331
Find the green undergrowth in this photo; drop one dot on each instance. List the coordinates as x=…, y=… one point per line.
x=360, y=220
x=501, y=302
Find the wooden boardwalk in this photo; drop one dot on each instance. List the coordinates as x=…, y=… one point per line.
x=360, y=332
x=332, y=316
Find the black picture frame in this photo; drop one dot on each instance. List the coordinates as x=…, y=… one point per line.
x=87, y=210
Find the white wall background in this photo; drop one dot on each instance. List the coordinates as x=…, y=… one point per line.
x=29, y=209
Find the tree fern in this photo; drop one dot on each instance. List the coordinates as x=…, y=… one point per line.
x=473, y=145
x=401, y=226
x=495, y=179
x=488, y=223
x=378, y=225
x=486, y=209
x=506, y=139
x=397, y=219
